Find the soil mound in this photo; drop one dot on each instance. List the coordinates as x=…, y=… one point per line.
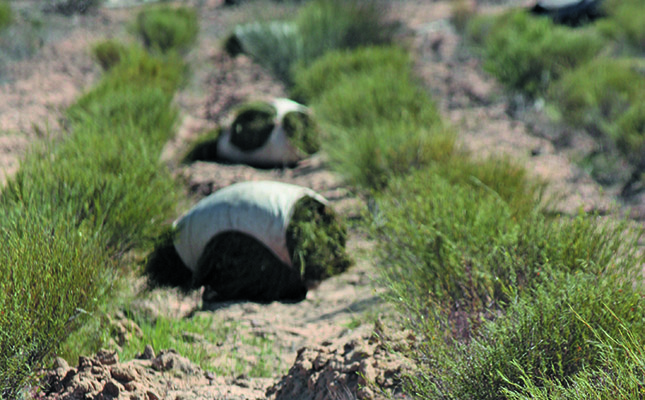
x=359, y=369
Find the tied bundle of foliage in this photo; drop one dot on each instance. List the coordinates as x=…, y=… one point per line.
x=316, y=241
x=302, y=131
x=252, y=128
x=238, y=266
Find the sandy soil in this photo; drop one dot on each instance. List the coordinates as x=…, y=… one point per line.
x=330, y=355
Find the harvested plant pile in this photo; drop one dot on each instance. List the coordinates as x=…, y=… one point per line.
x=265, y=134
x=236, y=233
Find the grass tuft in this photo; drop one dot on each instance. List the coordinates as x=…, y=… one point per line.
x=167, y=28
x=108, y=53
x=320, y=26
x=6, y=14
x=528, y=53
x=77, y=206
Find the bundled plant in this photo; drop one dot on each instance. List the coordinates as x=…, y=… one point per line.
x=264, y=134
x=167, y=28
x=246, y=260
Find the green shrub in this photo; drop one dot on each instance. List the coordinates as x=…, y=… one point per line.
x=327, y=25
x=375, y=97
x=549, y=336
x=167, y=28
x=276, y=45
x=303, y=131
x=76, y=206
x=629, y=130
x=310, y=82
x=6, y=15
x=625, y=21
x=528, y=53
x=138, y=71
x=369, y=156
x=319, y=27
x=51, y=273
x=606, y=98
x=479, y=28
x=108, y=53
x=618, y=376
x=597, y=93
x=460, y=242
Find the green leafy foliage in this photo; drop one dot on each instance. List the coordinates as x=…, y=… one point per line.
x=625, y=22
x=606, y=97
x=550, y=336
x=108, y=53
x=528, y=53
x=167, y=28
x=303, y=131
x=320, y=26
x=379, y=123
x=6, y=15
x=316, y=239
x=310, y=82
x=77, y=206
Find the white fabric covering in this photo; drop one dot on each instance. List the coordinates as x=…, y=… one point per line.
x=262, y=209
x=276, y=151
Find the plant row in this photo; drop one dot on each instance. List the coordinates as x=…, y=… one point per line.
x=80, y=203
x=592, y=77
x=507, y=300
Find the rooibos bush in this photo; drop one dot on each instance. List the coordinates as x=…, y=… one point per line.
x=319, y=27
x=108, y=53
x=528, y=53
x=6, y=15
x=330, y=69
x=167, y=28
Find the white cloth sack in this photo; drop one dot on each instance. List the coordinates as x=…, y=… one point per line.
x=276, y=151
x=261, y=209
